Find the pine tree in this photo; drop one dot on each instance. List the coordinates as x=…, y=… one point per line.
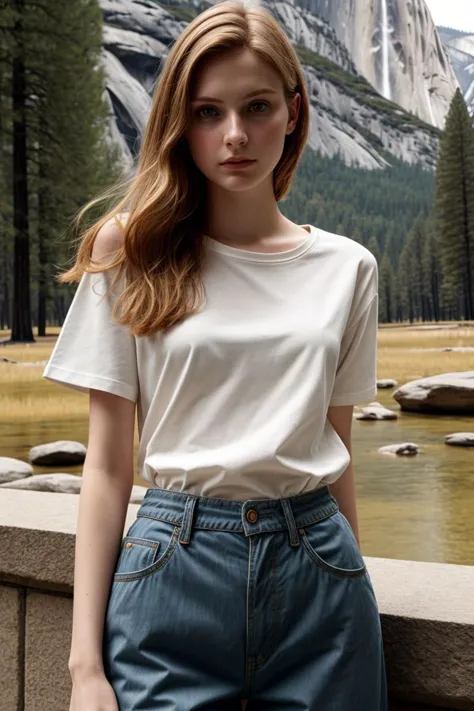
x=386, y=289
x=455, y=207
x=6, y=186
x=78, y=117
x=373, y=246
x=415, y=247
x=405, y=284
x=21, y=327
x=432, y=271
x=54, y=132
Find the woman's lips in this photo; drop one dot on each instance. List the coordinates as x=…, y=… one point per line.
x=241, y=164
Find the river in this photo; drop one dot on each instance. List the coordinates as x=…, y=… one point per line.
x=415, y=508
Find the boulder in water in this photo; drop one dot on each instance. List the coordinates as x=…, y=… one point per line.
x=12, y=469
x=62, y=453
x=405, y=449
x=386, y=383
x=460, y=439
x=376, y=413
x=445, y=393
x=57, y=483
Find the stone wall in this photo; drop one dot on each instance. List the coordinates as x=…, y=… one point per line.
x=427, y=612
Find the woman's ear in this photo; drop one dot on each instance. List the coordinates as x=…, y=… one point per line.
x=293, y=110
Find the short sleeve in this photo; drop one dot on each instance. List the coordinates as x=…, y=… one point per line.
x=92, y=350
x=356, y=375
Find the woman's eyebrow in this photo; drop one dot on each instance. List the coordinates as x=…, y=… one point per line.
x=248, y=96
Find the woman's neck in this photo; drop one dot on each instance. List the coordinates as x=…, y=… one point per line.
x=245, y=219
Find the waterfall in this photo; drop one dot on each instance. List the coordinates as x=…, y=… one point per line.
x=386, y=90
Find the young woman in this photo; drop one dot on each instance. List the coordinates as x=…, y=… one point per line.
x=243, y=340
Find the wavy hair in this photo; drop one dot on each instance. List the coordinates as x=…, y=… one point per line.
x=162, y=245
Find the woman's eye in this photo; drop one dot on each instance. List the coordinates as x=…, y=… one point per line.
x=207, y=112
x=260, y=103
x=200, y=111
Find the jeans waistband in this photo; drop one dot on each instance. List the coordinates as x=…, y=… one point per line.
x=249, y=517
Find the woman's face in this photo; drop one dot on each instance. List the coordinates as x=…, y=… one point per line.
x=238, y=109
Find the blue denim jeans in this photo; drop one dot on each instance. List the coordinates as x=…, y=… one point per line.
x=213, y=601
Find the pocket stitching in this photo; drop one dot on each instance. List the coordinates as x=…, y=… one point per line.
x=150, y=569
x=149, y=548
x=331, y=569
x=141, y=541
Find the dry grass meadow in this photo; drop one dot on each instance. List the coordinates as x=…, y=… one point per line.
x=402, y=355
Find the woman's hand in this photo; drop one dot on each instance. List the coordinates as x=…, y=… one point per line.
x=93, y=693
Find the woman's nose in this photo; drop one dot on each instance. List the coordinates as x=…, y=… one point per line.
x=235, y=131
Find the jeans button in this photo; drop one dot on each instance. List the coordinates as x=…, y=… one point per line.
x=252, y=515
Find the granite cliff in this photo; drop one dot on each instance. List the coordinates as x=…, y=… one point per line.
x=395, y=45
x=460, y=49
x=348, y=116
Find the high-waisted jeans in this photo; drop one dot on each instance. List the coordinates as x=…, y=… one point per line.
x=213, y=601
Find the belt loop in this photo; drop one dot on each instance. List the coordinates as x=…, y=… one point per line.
x=290, y=520
x=187, y=522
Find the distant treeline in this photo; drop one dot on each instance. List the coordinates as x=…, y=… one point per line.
x=57, y=153
x=419, y=225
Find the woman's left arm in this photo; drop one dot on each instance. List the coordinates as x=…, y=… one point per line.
x=343, y=489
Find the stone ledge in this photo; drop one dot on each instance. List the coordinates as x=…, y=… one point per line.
x=12, y=614
x=427, y=609
x=37, y=538
x=48, y=627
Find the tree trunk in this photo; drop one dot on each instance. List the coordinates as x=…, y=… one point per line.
x=21, y=325
x=42, y=252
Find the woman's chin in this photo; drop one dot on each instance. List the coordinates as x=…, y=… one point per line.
x=240, y=184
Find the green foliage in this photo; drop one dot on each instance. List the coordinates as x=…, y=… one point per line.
x=373, y=246
x=414, y=271
x=455, y=206
x=70, y=155
x=360, y=203
x=386, y=289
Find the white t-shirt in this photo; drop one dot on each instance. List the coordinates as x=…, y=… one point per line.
x=232, y=402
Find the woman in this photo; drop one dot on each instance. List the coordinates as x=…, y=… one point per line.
x=243, y=340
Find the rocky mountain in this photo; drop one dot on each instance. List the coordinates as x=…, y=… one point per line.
x=348, y=116
x=396, y=47
x=460, y=49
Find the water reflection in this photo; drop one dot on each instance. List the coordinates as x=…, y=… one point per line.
x=416, y=508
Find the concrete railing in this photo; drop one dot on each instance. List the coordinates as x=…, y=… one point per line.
x=427, y=612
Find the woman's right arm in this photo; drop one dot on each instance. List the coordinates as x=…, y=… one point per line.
x=105, y=494
x=107, y=481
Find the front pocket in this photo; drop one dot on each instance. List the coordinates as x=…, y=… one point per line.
x=331, y=544
x=147, y=547
x=136, y=554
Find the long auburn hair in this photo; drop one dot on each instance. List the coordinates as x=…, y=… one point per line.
x=162, y=243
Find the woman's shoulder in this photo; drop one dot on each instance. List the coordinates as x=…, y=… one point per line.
x=343, y=247
x=109, y=238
